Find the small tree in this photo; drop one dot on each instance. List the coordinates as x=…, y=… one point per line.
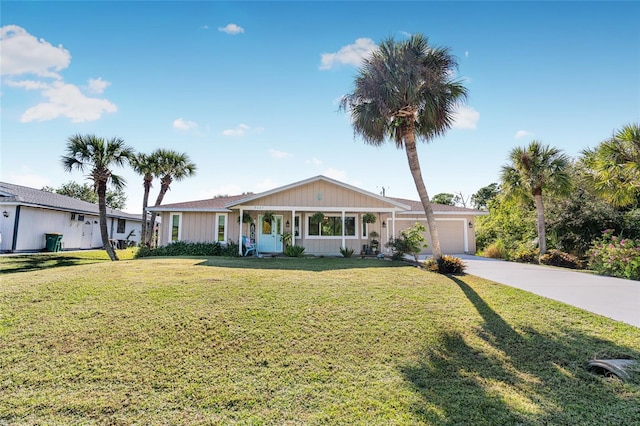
x=411, y=241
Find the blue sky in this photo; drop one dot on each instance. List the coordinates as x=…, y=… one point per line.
x=250, y=90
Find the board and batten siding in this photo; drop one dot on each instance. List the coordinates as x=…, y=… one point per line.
x=320, y=195
x=198, y=227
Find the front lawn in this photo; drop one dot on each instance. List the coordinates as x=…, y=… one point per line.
x=298, y=341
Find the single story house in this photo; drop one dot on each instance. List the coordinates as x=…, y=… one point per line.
x=291, y=209
x=28, y=214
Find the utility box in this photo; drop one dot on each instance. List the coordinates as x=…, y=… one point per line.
x=54, y=242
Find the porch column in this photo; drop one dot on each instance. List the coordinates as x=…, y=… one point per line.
x=393, y=223
x=343, y=224
x=240, y=233
x=293, y=227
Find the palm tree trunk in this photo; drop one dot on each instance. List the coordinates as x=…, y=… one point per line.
x=145, y=203
x=414, y=166
x=102, y=207
x=542, y=237
x=164, y=187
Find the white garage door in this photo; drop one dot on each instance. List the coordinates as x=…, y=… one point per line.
x=451, y=233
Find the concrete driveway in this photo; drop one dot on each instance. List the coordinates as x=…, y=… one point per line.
x=614, y=298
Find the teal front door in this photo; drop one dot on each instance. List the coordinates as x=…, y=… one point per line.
x=269, y=235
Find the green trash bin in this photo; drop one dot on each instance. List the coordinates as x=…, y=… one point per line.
x=54, y=242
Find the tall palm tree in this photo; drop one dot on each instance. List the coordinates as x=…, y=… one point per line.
x=98, y=156
x=614, y=167
x=172, y=165
x=533, y=170
x=405, y=91
x=147, y=166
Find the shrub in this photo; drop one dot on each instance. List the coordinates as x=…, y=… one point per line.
x=411, y=241
x=188, y=248
x=294, y=251
x=495, y=250
x=526, y=255
x=446, y=265
x=615, y=256
x=346, y=252
x=562, y=259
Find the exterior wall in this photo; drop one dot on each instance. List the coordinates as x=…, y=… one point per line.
x=200, y=227
x=451, y=230
x=34, y=223
x=319, y=194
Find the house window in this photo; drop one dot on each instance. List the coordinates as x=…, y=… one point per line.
x=73, y=216
x=364, y=229
x=221, y=227
x=80, y=218
x=121, y=226
x=296, y=226
x=331, y=226
x=175, y=227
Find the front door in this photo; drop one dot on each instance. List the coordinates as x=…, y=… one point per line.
x=269, y=234
x=87, y=235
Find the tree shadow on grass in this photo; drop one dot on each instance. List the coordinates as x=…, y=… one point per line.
x=493, y=375
x=26, y=263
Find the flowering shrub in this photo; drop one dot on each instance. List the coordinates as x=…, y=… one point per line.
x=615, y=256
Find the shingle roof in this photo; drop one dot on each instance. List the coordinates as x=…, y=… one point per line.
x=210, y=204
x=416, y=207
x=23, y=195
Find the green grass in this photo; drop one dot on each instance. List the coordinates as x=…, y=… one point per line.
x=298, y=341
x=30, y=262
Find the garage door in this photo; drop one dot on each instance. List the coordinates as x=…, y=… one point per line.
x=451, y=233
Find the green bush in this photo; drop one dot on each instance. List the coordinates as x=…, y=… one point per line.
x=526, y=255
x=346, y=252
x=562, y=259
x=495, y=250
x=294, y=251
x=446, y=265
x=411, y=241
x=615, y=256
x=188, y=248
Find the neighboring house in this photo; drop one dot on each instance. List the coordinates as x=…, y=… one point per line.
x=293, y=206
x=28, y=214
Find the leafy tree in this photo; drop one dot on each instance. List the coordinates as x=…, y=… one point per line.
x=531, y=171
x=480, y=199
x=148, y=167
x=444, y=198
x=116, y=198
x=172, y=165
x=508, y=222
x=98, y=156
x=405, y=91
x=614, y=167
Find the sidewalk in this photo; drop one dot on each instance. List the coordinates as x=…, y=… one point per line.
x=614, y=298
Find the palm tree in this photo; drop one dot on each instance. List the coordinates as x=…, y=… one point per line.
x=404, y=91
x=172, y=166
x=614, y=167
x=97, y=156
x=147, y=166
x=533, y=170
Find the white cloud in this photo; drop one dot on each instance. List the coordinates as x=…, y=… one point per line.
x=314, y=161
x=240, y=130
x=66, y=100
x=29, y=179
x=27, y=84
x=279, y=154
x=466, y=118
x=352, y=54
x=466, y=54
x=522, y=133
x=340, y=175
x=97, y=85
x=265, y=185
x=22, y=53
x=182, y=124
x=232, y=29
